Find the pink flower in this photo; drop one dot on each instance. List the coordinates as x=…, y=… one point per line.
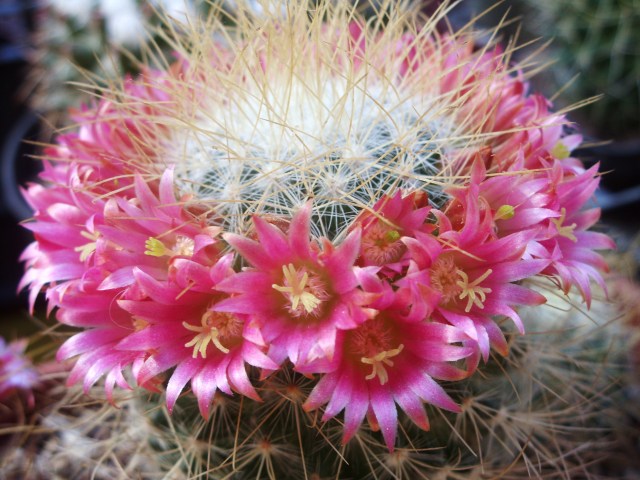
x=64, y=224
x=391, y=218
x=298, y=294
x=16, y=372
x=388, y=360
x=145, y=233
x=114, y=136
x=548, y=203
x=81, y=303
x=467, y=276
x=181, y=327
x=567, y=241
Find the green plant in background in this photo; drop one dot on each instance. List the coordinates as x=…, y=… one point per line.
x=79, y=44
x=596, y=49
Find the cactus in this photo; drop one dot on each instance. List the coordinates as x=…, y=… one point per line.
x=310, y=248
x=597, y=41
x=80, y=44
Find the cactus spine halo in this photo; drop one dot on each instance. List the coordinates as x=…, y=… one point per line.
x=310, y=193
x=296, y=109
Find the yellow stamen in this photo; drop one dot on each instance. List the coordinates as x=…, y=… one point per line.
x=475, y=294
x=560, y=151
x=88, y=248
x=378, y=363
x=505, y=212
x=139, y=323
x=155, y=248
x=294, y=288
x=564, y=230
x=392, y=236
x=207, y=333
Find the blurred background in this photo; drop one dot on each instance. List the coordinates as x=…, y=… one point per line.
x=48, y=47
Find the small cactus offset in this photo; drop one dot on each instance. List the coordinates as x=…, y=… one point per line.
x=319, y=245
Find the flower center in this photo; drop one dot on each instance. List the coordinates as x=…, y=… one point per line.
x=444, y=278
x=381, y=244
x=564, y=230
x=378, y=363
x=183, y=247
x=560, y=150
x=303, y=290
x=473, y=292
x=215, y=327
x=372, y=344
x=453, y=283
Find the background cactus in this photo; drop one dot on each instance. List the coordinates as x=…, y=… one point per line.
x=595, y=50
x=80, y=44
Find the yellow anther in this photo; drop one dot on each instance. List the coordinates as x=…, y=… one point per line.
x=473, y=292
x=88, y=248
x=207, y=333
x=155, y=248
x=184, y=246
x=295, y=288
x=564, y=230
x=139, y=323
x=560, y=151
x=392, y=236
x=505, y=212
x=379, y=362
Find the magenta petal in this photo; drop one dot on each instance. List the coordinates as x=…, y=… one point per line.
x=322, y=392
x=252, y=251
x=431, y=392
x=272, y=240
x=220, y=374
x=248, y=281
x=254, y=356
x=166, y=191
x=158, y=363
x=107, y=362
x=240, y=304
x=299, y=232
x=354, y=413
x=122, y=277
x=144, y=194
x=87, y=341
x=114, y=377
x=222, y=269
x=238, y=378
x=385, y=411
x=181, y=375
x=204, y=388
x=461, y=322
x=158, y=291
x=341, y=395
x=413, y=406
x=518, y=270
x=156, y=336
